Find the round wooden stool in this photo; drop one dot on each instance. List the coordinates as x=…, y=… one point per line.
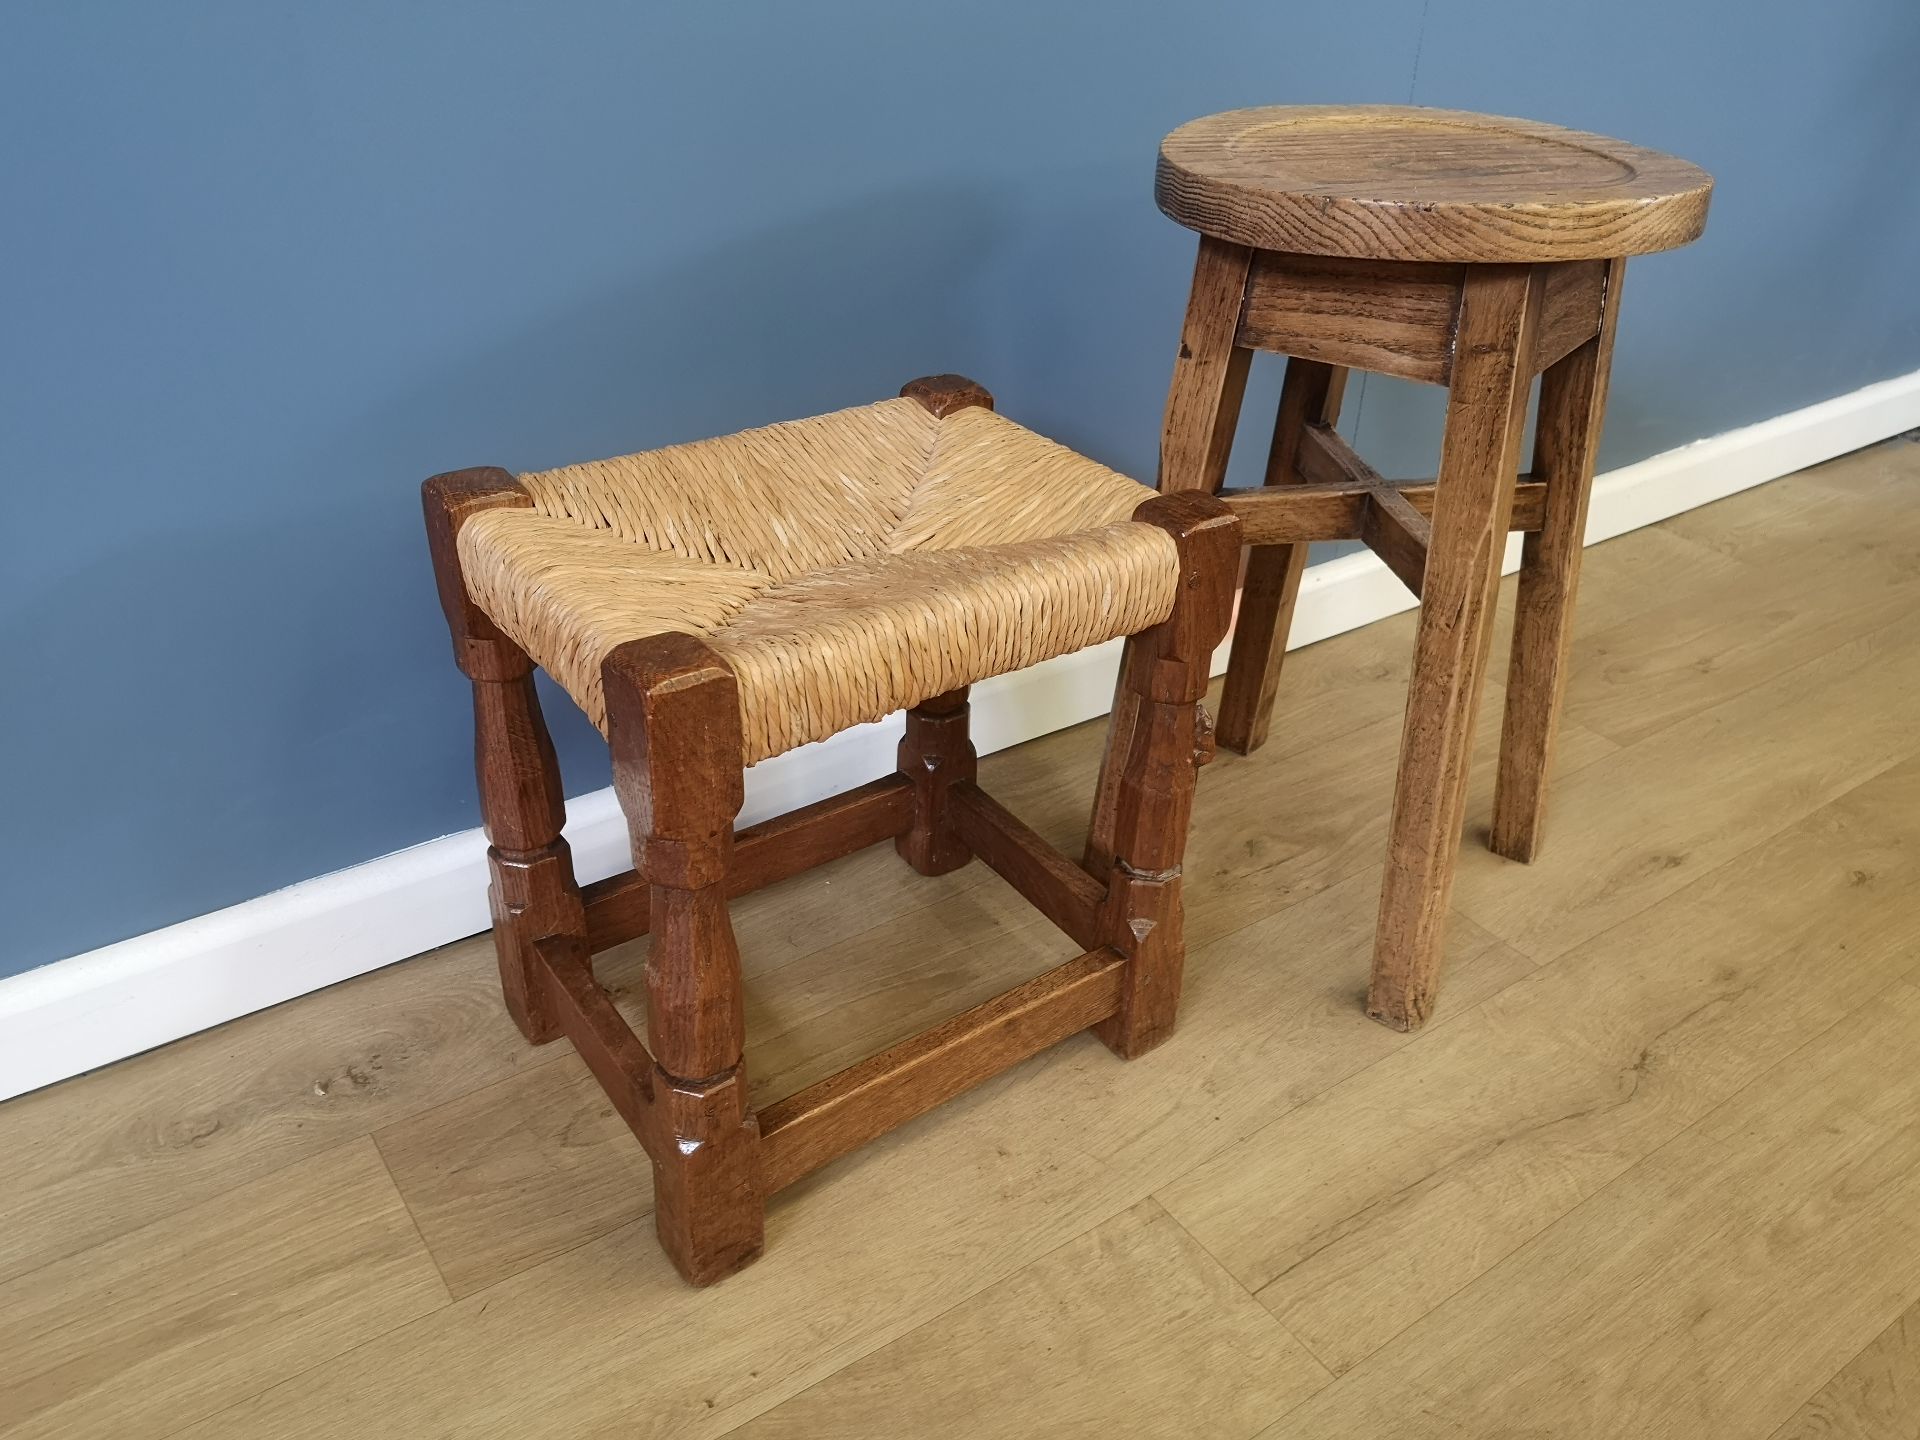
x=1464, y=250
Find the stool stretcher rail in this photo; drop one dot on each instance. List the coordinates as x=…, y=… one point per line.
x=1297, y=514
x=843, y=1112
x=1048, y=880
x=773, y=850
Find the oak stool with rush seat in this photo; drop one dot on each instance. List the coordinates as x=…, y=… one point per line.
x=715, y=604
x=1463, y=250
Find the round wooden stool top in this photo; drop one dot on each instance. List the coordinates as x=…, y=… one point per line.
x=1399, y=182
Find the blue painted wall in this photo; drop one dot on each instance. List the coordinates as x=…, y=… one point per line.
x=265, y=265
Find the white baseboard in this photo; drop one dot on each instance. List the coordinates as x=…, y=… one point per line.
x=84, y=1012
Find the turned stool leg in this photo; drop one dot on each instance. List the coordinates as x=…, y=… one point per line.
x=935, y=754
x=1165, y=743
x=533, y=894
x=673, y=722
x=1473, y=504
x=1573, y=401
x=1310, y=395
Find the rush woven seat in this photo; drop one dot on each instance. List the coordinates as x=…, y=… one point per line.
x=845, y=566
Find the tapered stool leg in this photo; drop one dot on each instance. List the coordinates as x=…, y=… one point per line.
x=1573, y=401
x=673, y=722
x=1310, y=395
x=1473, y=505
x=533, y=894
x=1209, y=372
x=1121, y=721
x=1164, y=745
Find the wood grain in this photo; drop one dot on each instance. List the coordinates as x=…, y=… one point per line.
x=560, y=1179
x=1123, y=718
x=1325, y=456
x=968, y=1201
x=1573, y=403
x=177, y=1320
x=532, y=891
x=878, y=987
x=1352, y=1223
x=1795, y=582
x=1695, y=795
x=1875, y=1397
x=1395, y=182
x=1310, y=396
x=1573, y=308
x=1638, y=579
x=1129, y=1330
x=1051, y=883
x=934, y=755
x=446, y=502
x=1835, y=517
x=1196, y=437
x=1399, y=534
x=1143, y=915
x=640, y=1091
x=1300, y=514
x=513, y=1174
x=944, y=394
x=527, y=1169
x=673, y=724
x=764, y=854
x=810, y=1128
x=1776, y=1236
x=1389, y=317
x=1473, y=504
x=1338, y=795
x=157, y=1134
x=803, y=915
x=1209, y=373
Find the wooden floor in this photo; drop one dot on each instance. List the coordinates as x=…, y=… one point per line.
x=1654, y=1169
